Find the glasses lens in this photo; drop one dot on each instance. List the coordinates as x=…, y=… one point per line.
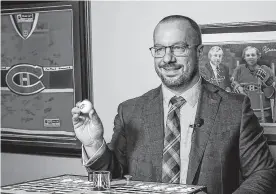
x=179, y=50
x=158, y=51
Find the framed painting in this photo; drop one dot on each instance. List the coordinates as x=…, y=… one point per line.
x=46, y=68
x=234, y=43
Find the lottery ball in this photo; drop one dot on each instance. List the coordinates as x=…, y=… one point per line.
x=85, y=106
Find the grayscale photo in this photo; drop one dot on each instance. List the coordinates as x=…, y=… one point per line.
x=138, y=97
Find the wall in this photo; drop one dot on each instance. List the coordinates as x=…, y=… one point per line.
x=123, y=67
x=22, y=167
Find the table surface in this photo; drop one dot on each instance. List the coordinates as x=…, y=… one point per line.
x=75, y=184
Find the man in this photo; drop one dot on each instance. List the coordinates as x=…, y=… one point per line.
x=257, y=82
x=214, y=71
x=220, y=135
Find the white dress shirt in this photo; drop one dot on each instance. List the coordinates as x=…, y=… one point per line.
x=214, y=67
x=187, y=118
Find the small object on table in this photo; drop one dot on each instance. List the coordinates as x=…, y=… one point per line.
x=128, y=177
x=100, y=180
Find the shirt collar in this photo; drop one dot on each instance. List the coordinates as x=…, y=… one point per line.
x=191, y=95
x=257, y=66
x=214, y=67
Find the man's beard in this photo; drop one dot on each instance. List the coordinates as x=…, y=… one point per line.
x=182, y=80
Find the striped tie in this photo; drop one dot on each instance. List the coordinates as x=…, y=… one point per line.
x=171, y=152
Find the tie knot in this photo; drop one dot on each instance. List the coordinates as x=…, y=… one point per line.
x=177, y=101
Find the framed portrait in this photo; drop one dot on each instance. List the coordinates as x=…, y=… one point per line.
x=238, y=45
x=46, y=68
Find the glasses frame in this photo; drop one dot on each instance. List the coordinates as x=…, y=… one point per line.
x=187, y=47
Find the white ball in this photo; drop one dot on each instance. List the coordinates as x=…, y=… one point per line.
x=85, y=106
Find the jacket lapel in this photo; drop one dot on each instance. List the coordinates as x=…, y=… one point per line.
x=153, y=116
x=208, y=66
x=206, y=111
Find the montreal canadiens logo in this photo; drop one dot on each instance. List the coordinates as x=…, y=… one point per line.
x=24, y=23
x=24, y=85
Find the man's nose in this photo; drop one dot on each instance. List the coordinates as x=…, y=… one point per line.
x=169, y=57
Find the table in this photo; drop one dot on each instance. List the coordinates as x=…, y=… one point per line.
x=75, y=184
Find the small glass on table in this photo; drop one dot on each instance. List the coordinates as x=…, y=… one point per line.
x=100, y=180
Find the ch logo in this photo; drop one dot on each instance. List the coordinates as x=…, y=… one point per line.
x=25, y=71
x=251, y=88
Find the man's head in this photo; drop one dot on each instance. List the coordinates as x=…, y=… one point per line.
x=215, y=55
x=177, y=64
x=251, y=55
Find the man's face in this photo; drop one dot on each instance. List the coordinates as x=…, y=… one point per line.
x=251, y=57
x=176, y=71
x=216, y=57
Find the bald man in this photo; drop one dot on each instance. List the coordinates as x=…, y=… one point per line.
x=185, y=131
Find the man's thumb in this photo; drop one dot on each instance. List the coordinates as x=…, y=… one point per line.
x=94, y=117
x=91, y=113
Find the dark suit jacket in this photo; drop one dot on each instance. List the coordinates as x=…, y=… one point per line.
x=207, y=73
x=229, y=142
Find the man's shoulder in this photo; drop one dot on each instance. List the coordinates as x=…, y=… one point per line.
x=143, y=98
x=227, y=97
x=266, y=68
x=231, y=98
x=205, y=70
x=205, y=66
x=222, y=65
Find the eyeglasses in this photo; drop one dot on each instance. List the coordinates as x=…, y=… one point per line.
x=178, y=51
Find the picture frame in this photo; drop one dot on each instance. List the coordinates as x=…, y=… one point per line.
x=232, y=38
x=46, y=68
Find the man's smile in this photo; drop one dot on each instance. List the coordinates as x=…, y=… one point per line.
x=171, y=70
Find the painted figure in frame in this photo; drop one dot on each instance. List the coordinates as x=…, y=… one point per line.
x=257, y=82
x=215, y=72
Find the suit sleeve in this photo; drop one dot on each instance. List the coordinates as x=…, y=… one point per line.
x=268, y=88
x=114, y=157
x=256, y=163
x=203, y=73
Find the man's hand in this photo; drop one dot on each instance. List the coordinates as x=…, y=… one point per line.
x=88, y=126
x=266, y=79
x=227, y=89
x=260, y=73
x=239, y=89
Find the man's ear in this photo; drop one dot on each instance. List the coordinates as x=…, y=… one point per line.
x=200, y=52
